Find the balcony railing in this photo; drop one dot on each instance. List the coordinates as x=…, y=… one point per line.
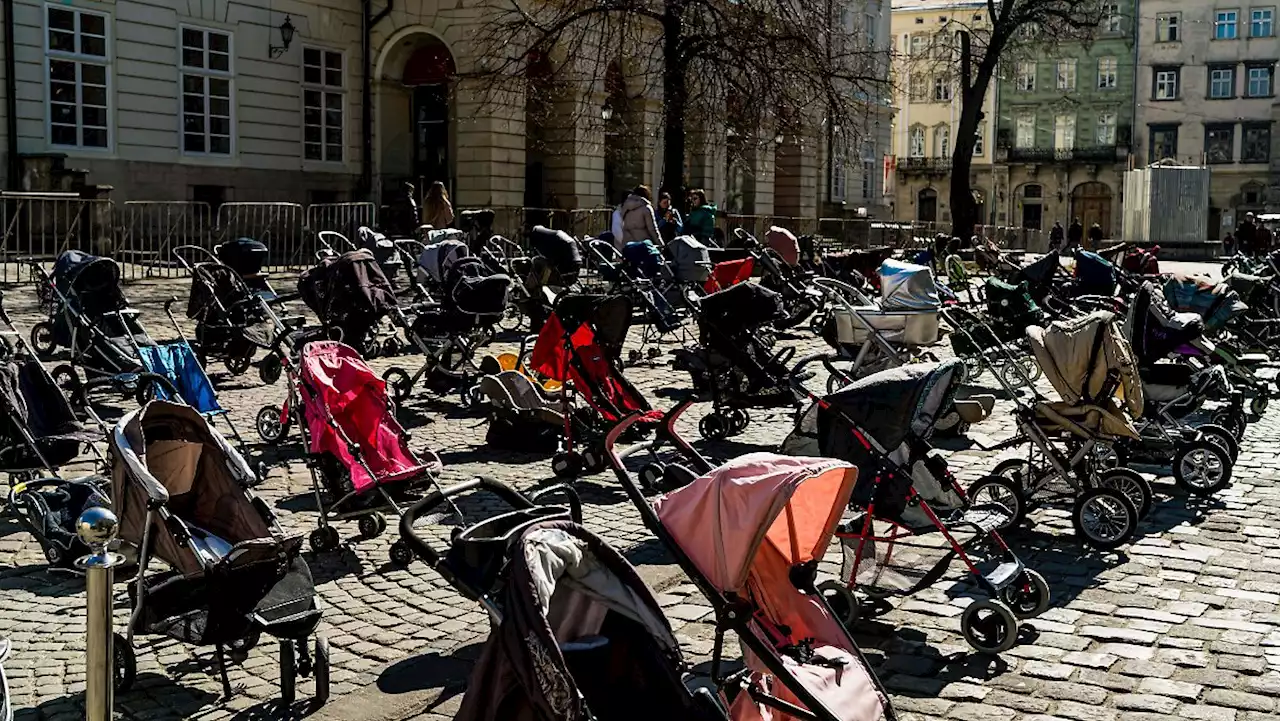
x=924, y=165
x=1097, y=154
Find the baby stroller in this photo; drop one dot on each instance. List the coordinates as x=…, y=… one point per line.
x=351, y=297
x=179, y=491
x=1010, y=311
x=640, y=272
x=691, y=260
x=358, y=454
x=554, y=267
x=580, y=343
x=522, y=416
x=883, y=423
x=1091, y=366
x=785, y=278
x=734, y=362
x=574, y=631
x=750, y=535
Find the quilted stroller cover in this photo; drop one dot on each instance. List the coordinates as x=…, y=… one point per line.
x=1081, y=358
x=1154, y=329
x=1216, y=303
x=348, y=292
x=579, y=630
x=907, y=286
x=338, y=385
x=745, y=526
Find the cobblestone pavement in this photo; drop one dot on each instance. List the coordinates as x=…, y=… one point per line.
x=1184, y=623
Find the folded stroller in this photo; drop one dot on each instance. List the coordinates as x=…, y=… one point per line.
x=357, y=452
x=883, y=423
x=750, y=535
x=893, y=332
x=350, y=296
x=575, y=633
x=734, y=362
x=179, y=491
x=581, y=343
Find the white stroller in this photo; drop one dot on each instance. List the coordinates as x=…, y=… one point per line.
x=691, y=260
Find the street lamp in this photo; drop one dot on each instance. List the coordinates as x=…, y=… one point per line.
x=606, y=112
x=286, y=37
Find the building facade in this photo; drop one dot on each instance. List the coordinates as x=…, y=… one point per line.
x=1065, y=117
x=1206, y=95
x=929, y=110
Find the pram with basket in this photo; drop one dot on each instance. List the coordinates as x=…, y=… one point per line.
x=750, y=535
x=179, y=491
x=358, y=454
x=883, y=423
x=574, y=631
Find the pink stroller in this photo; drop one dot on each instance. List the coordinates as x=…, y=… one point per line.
x=358, y=454
x=751, y=534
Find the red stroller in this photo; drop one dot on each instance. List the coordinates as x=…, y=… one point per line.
x=579, y=345
x=358, y=454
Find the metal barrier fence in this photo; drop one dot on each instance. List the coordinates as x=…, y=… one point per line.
x=42, y=225
x=152, y=229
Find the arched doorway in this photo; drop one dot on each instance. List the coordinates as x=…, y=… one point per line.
x=1033, y=206
x=617, y=112
x=539, y=108
x=1091, y=203
x=927, y=205
x=415, y=125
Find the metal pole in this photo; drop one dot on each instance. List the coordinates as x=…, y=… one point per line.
x=97, y=528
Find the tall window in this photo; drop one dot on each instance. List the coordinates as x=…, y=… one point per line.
x=1224, y=24
x=980, y=140
x=1164, y=141
x=1067, y=74
x=1261, y=22
x=942, y=142
x=942, y=89
x=1025, y=137
x=322, y=103
x=1026, y=78
x=1168, y=26
x=1222, y=82
x=1112, y=22
x=78, y=72
x=868, y=170
x=838, y=178
x=1107, y=128
x=1165, y=84
x=1220, y=143
x=1064, y=131
x=1255, y=143
x=206, y=91
x=1108, y=69
x=918, y=44
x=915, y=141
x=1259, y=81
x=919, y=88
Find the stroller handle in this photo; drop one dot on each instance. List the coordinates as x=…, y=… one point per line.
x=799, y=375
x=508, y=495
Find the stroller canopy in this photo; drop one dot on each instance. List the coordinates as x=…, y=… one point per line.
x=907, y=286
x=784, y=243
x=473, y=290
x=437, y=257
x=1154, y=329
x=741, y=307
x=1078, y=356
x=1216, y=303
x=578, y=628
x=692, y=259
x=1095, y=275
x=558, y=247
x=897, y=403
x=244, y=255
x=92, y=280
x=1039, y=274
x=348, y=291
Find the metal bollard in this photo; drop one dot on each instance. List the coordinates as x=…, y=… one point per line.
x=97, y=528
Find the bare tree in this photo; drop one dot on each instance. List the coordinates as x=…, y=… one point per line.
x=1012, y=29
x=762, y=67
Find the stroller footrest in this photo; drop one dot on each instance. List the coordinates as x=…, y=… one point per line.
x=1005, y=574
x=986, y=517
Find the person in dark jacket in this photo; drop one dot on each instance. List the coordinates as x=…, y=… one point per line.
x=1245, y=233
x=1075, y=234
x=1056, y=236
x=701, y=222
x=670, y=224
x=1095, y=237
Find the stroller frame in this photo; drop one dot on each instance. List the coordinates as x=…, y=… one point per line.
x=658, y=323
x=876, y=348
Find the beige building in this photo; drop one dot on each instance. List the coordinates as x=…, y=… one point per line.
x=929, y=110
x=235, y=100
x=1206, y=89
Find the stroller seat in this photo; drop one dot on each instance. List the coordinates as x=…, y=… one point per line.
x=1085, y=420
x=1166, y=374
x=512, y=390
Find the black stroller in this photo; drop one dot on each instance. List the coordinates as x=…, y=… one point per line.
x=575, y=633
x=351, y=297
x=735, y=363
x=179, y=491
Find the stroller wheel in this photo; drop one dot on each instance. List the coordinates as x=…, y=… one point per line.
x=125, y=663
x=69, y=381
x=42, y=339
x=818, y=322
x=288, y=673
x=269, y=369
x=1104, y=518
x=1133, y=486
x=633, y=356
x=1106, y=456
x=512, y=318
x=1231, y=421
x=398, y=381
x=1028, y=596
x=841, y=601
x=989, y=626
x=739, y=419
x=472, y=396
x=53, y=555
x=372, y=525
x=391, y=347
x=1222, y=438
x=1201, y=467
x=320, y=669
x=324, y=539
x=269, y=424
x=593, y=461
x=1000, y=491
x=566, y=464
x=1258, y=405
x=713, y=427
x=401, y=554
x=239, y=365
x=835, y=382
x=651, y=475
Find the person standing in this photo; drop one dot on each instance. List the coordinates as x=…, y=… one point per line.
x=701, y=222
x=1075, y=234
x=670, y=224
x=638, y=219
x=1245, y=234
x=1095, y=237
x=437, y=211
x=1056, y=236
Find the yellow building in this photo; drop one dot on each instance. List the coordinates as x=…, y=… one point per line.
x=926, y=84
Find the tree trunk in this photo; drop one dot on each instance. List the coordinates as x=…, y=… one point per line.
x=973, y=89
x=674, y=102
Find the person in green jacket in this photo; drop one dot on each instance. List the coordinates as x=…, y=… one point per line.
x=701, y=221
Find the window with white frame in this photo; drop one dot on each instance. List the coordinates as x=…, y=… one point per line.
x=1067, y=74
x=1165, y=84
x=1064, y=131
x=79, y=78
x=942, y=89
x=1262, y=22
x=1107, y=127
x=918, y=87
x=980, y=140
x=838, y=176
x=1259, y=81
x=915, y=141
x=1025, y=135
x=1224, y=24
x=1222, y=82
x=942, y=141
x=1168, y=27
x=207, y=110
x=1112, y=21
x=1108, y=71
x=919, y=42
x=1025, y=79
x=868, y=170
x=323, y=99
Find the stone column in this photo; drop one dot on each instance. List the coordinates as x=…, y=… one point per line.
x=489, y=157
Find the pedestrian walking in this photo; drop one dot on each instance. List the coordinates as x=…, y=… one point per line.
x=1095, y=237
x=1075, y=234
x=437, y=211
x=1245, y=233
x=1056, y=235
